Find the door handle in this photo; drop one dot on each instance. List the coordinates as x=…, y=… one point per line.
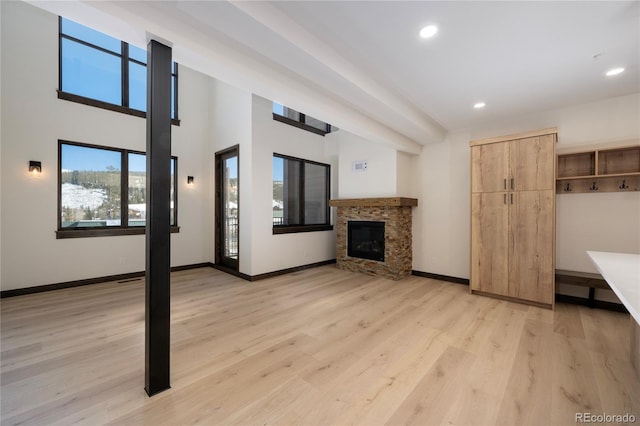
x=512, y=183
x=505, y=184
x=511, y=198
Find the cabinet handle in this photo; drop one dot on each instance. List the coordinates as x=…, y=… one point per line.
x=504, y=198
x=505, y=184
x=512, y=183
x=512, y=198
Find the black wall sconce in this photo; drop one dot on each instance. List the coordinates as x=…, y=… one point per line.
x=189, y=180
x=35, y=167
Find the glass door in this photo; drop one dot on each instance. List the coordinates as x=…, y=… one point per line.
x=227, y=208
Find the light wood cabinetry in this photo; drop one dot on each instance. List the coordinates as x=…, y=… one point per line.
x=490, y=238
x=531, y=246
x=513, y=217
x=531, y=163
x=599, y=170
x=489, y=167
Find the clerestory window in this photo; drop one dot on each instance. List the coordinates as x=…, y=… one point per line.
x=101, y=71
x=297, y=119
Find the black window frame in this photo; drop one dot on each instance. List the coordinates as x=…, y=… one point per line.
x=125, y=59
x=124, y=228
x=301, y=122
x=302, y=227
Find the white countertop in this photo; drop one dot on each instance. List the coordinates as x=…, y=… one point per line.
x=622, y=273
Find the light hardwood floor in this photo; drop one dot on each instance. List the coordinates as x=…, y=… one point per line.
x=317, y=347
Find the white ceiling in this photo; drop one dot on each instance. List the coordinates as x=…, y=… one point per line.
x=361, y=65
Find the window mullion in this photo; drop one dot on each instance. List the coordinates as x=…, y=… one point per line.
x=327, y=185
x=175, y=191
x=125, y=74
x=59, y=52
x=124, y=190
x=175, y=91
x=301, y=192
x=87, y=44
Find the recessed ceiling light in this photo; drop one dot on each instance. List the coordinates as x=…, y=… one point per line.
x=479, y=105
x=428, y=31
x=614, y=71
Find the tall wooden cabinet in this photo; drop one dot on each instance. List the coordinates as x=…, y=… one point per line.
x=513, y=217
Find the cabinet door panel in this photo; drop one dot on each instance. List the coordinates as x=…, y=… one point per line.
x=532, y=162
x=489, y=167
x=531, y=253
x=489, y=242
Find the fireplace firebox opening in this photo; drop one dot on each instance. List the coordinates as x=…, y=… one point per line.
x=365, y=240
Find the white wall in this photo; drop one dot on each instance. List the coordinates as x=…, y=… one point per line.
x=191, y=143
x=405, y=169
x=602, y=222
x=33, y=119
x=275, y=252
x=381, y=177
x=441, y=220
x=1, y=50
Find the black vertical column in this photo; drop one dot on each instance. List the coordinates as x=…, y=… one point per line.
x=158, y=226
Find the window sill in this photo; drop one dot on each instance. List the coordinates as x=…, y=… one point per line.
x=298, y=124
x=292, y=229
x=104, y=232
x=106, y=105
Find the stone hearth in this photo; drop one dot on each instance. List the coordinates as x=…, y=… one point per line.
x=396, y=213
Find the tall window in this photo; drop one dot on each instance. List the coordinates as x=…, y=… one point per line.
x=297, y=119
x=104, y=189
x=102, y=71
x=301, y=190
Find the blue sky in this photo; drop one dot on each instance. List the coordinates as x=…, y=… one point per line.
x=84, y=158
x=137, y=163
x=278, y=109
x=278, y=164
x=232, y=165
x=97, y=74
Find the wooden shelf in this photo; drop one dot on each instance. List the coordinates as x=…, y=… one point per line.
x=605, y=170
x=619, y=161
x=577, y=165
x=577, y=177
x=614, y=175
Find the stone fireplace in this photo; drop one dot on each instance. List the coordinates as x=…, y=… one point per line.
x=374, y=235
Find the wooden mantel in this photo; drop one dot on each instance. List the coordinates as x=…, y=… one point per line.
x=375, y=202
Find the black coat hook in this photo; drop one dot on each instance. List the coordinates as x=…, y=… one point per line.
x=593, y=187
x=624, y=184
x=568, y=187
